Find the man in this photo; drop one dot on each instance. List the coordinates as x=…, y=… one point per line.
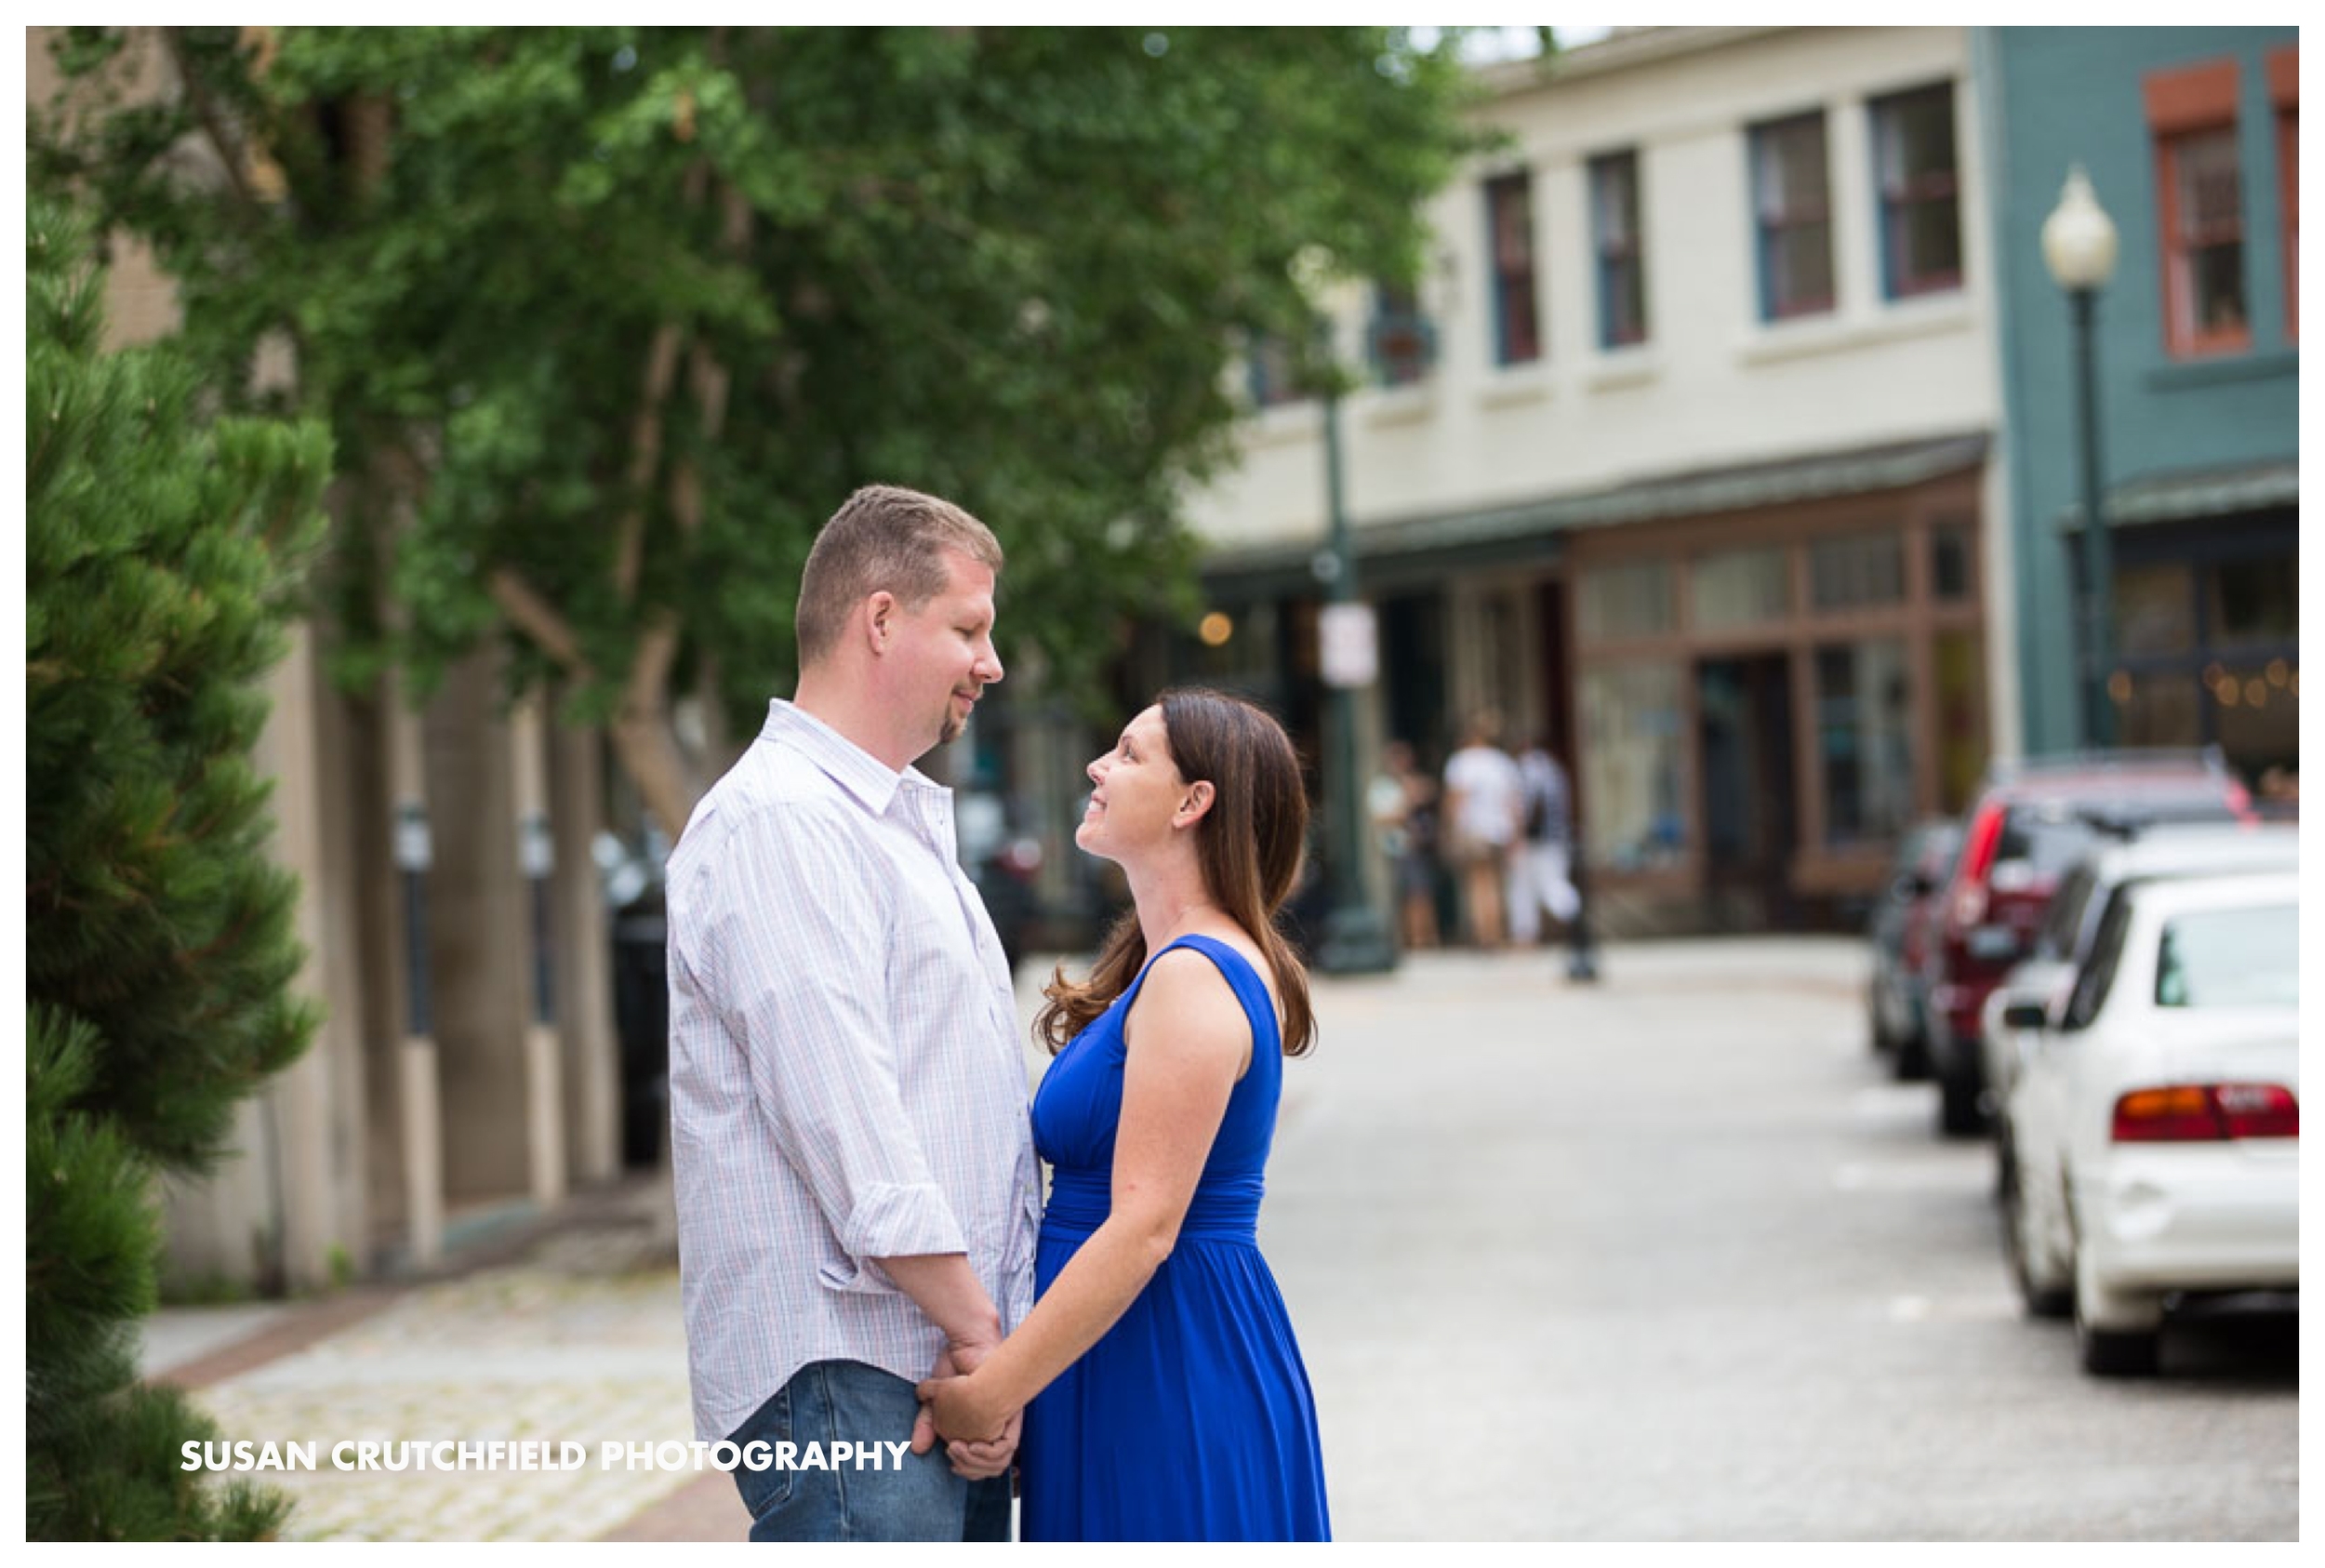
x=1483, y=800
x=1538, y=877
x=856, y=1189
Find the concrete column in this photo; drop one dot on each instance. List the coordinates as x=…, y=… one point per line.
x=310, y=1132
x=418, y=1088
x=591, y=1065
x=476, y=937
x=544, y=1092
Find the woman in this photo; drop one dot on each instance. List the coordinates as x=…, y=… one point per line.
x=1168, y=1401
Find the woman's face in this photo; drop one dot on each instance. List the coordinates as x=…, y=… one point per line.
x=1139, y=789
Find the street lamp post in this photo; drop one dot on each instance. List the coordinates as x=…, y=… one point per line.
x=2079, y=248
x=1356, y=938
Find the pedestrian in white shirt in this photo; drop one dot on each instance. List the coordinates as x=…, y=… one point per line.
x=1484, y=806
x=856, y=1189
x=1538, y=877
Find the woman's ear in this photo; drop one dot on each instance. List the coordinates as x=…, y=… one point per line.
x=1196, y=803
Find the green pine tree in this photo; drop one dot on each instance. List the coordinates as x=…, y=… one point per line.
x=160, y=561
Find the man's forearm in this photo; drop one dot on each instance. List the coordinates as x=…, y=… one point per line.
x=946, y=1288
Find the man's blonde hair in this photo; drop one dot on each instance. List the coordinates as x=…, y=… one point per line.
x=883, y=536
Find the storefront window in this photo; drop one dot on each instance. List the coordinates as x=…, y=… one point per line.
x=2258, y=712
x=1632, y=599
x=2157, y=709
x=1949, y=561
x=1631, y=814
x=1741, y=588
x=2255, y=601
x=1957, y=665
x=1859, y=569
x=1864, y=745
x=2155, y=611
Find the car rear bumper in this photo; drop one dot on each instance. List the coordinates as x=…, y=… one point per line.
x=2192, y=1216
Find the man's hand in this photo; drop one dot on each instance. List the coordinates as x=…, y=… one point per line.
x=979, y=1460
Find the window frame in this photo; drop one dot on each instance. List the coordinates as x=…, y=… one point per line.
x=1507, y=283
x=1898, y=200
x=2182, y=105
x=1397, y=310
x=1613, y=253
x=1769, y=229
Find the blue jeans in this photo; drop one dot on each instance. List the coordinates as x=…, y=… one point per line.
x=847, y=1401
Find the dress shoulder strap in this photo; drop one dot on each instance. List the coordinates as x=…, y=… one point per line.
x=1244, y=981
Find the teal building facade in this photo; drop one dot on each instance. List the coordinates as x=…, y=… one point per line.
x=2190, y=138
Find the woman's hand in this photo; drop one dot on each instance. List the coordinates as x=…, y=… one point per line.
x=958, y=1409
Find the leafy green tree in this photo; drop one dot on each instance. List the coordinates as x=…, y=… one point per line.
x=158, y=947
x=606, y=321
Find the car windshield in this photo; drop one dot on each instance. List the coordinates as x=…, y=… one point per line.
x=2230, y=958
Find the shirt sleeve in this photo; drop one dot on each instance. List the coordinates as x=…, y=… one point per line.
x=801, y=937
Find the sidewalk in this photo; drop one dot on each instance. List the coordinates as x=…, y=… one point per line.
x=572, y=1332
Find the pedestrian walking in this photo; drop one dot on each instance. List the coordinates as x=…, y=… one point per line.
x=1483, y=811
x=1539, y=878
x=1403, y=801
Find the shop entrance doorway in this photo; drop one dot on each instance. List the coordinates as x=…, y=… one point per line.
x=1744, y=734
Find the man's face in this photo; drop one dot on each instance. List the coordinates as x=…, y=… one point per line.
x=945, y=650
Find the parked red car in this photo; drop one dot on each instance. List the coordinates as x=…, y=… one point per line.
x=2032, y=820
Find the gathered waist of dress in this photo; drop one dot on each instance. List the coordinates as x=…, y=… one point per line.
x=1224, y=1209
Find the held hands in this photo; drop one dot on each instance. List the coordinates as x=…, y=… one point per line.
x=950, y=1405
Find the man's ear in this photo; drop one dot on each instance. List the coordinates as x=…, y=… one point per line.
x=880, y=613
x=1195, y=804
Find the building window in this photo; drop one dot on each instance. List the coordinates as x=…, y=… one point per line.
x=1792, y=205
x=1856, y=570
x=2288, y=206
x=1622, y=262
x=1274, y=380
x=1632, y=599
x=1400, y=341
x=1949, y=561
x=1913, y=138
x=1735, y=588
x=2200, y=200
x=1632, y=819
x=1862, y=724
x=1509, y=238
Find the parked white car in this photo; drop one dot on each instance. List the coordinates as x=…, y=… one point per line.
x=2156, y=1117
x=2136, y=852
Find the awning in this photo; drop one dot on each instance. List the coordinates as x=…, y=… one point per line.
x=1410, y=548
x=2190, y=494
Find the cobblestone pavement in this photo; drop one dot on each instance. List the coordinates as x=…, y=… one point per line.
x=569, y=1344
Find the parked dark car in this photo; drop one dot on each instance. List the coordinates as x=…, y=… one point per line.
x=1899, y=931
x=2032, y=820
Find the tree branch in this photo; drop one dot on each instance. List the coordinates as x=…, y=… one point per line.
x=539, y=620
x=646, y=455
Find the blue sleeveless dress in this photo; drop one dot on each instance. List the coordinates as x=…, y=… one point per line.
x=1192, y=1418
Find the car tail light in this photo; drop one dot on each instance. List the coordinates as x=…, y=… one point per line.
x=1977, y=858
x=2207, y=1113
x=2258, y=1111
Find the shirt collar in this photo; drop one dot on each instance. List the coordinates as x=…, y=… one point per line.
x=849, y=765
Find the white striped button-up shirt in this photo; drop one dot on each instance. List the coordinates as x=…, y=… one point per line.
x=845, y=1077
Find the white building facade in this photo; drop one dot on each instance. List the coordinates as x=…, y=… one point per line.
x=1682, y=456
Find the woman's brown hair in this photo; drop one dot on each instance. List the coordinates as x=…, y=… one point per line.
x=1249, y=846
